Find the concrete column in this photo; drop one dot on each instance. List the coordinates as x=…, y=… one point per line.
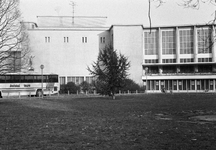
x=195, y=45
x=159, y=46
x=66, y=80
x=213, y=84
x=177, y=84
x=213, y=45
x=195, y=83
x=177, y=46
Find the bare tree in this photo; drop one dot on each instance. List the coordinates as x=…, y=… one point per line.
x=194, y=4
x=206, y=40
x=13, y=38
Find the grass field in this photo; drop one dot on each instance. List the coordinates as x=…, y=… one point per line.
x=152, y=122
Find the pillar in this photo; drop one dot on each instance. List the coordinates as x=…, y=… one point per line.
x=159, y=46
x=195, y=45
x=213, y=45
x=177, y=46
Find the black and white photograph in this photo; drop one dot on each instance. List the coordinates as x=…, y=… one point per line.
x=107, y=74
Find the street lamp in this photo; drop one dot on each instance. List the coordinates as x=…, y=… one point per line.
x=42, y=67
x=146, y=70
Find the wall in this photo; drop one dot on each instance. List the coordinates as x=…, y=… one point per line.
x=129, y=41
x=65, y=59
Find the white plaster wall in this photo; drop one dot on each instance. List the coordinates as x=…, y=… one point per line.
x=65, y=59
x=129, y=41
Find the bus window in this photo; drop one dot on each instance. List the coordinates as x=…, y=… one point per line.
x=22, y=79
x=53, y=78
x=40, y=77
x=29, y=79
x=2, y=79
x=15, y=79
x=8, y=79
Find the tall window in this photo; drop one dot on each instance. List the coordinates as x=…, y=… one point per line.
x=14, y=59
x=186, y=42
x=62, y=80
x=168, y=42
x=204, y=41
x=47, y=39
x=66, y=39
x=84, y=39
x=150, y=43
x=89, y=79
x=102, y=39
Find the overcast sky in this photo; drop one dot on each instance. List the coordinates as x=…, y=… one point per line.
x=120, y=11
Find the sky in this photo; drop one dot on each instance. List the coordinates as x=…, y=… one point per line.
x=127, y=12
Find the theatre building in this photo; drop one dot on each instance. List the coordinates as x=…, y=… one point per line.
x=67, y=46
x=180, y=58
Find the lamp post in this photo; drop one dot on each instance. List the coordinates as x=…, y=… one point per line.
x=146, y=70
x=42, y=67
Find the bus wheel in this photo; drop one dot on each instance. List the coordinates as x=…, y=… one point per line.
x=39, y=93
x=0, y=94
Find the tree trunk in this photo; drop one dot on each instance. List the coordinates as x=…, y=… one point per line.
x=113, y=96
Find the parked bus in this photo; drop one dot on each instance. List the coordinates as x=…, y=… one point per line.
x=28, y=84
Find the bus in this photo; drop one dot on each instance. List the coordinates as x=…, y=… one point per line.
x=13, y=84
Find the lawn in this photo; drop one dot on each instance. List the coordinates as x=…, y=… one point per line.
x=148, y=121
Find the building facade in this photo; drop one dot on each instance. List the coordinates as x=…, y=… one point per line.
x=176, y=58
x=68, y=49
x=180, y=58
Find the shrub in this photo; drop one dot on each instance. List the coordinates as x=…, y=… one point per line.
x=130, y=85
x=86, y=87
x=70, y=87
x=63, y=89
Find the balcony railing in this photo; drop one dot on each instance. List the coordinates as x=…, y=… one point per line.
x=180, y=74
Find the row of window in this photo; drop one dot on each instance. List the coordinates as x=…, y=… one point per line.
x=204, y=59
x=169, y=60
x=27, y=78
x=182, y=60
x=186, y=41
x=181, y=69
x=66, y=39
x=151, y=61
x=186, y=60
x=200, y=84
x=76, y=79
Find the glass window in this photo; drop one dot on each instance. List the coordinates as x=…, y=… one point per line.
x=69, y=79
x=150, y=43
x=168, y=42
x=29, y=79
x=52, y=78
x=2, y=78
x=66, y=39
x=16, y=79
x=169, y=69
x=84, y=39
x=47, y=39
x=81, y=79
x=186, y=41
x=204, y=41
x=62, y=80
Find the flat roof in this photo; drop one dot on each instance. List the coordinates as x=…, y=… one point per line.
x=181, y=26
